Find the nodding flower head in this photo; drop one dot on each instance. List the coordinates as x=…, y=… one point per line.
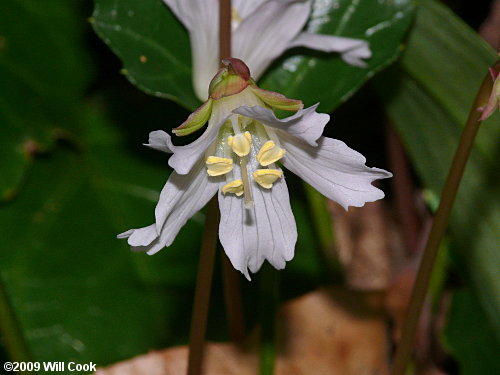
x=240, y=155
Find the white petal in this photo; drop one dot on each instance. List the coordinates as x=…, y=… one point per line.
x=335, y=170
x=266, y=33
x=140, y=237
x=201, y=18
x=183, y=10
x=352, y=50
x=185, y=157
x=267, y=231
x=245, y=7
x=180, y=199
x=306, y=124
x=161, y=141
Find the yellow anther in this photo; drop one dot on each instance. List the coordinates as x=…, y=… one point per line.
x=240, y=143
x=217, y=166
x=234, y=187
x=270, y=153
x=267, y=177
x=235, y=16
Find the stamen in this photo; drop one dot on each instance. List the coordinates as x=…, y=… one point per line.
x=217, y=166
x=270, y=153
x=240, y=143
x=267, y=177
x=246, y=184
x=234, y=187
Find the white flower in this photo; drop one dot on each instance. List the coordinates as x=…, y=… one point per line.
x=237, y=156
x=262, y=31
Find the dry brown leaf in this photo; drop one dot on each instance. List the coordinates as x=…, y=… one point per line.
x=334, y=332
x=331, y=332
x=221, y=359
x=366, y=245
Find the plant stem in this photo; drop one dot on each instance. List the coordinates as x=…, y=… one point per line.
x=12, y=335
x=405, y=348
x=203, y=288
x=232, y=291
x=269, y=300
x=225, y=13
x=207, y=256
x=232, y=295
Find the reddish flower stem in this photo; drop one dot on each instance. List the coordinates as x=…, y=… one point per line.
x=203, y=289
x=225, y=10
x=209, y=244
x=439, y=225
x=234, y=306
x=232, y=291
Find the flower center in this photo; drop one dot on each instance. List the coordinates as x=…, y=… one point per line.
x=244, y=142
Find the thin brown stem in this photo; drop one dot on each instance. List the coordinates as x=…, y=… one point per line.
x=405, y=348
x=209, y=244
x=203, y=289
x=234, y=307
x=225, y=10
x=232, y=291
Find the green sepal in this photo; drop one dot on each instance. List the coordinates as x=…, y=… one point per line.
x=276, y=100
x=232, y=79
x=196, y=120
x=226, y=84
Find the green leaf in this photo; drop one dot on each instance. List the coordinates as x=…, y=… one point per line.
x=43, y=70
x=469, y=336
x=152, y=44
x=429, y=109
x=318, y=77
x=78, y=293
x=156, y=54
x=450, y=63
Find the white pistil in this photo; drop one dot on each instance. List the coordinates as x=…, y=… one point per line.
x=246, y=184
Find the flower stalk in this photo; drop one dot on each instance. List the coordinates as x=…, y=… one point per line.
x=232, y=291
x=269, y=301
x=440, y=223
x=202, y=293
x=209, y=244
x=234, y=306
